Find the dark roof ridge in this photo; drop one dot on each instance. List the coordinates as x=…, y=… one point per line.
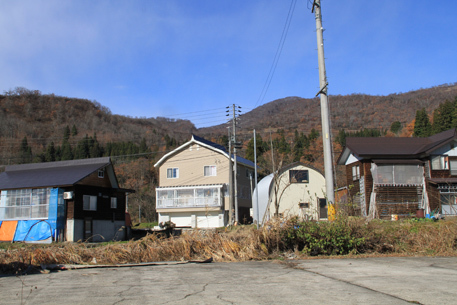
x=208, y=142
x=57, y=164
x=394, y=147
x=438, y=139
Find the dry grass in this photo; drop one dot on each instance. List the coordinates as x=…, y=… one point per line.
x=376, y=238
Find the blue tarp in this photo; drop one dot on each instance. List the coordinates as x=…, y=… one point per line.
x=32, y=230
x=56, y=215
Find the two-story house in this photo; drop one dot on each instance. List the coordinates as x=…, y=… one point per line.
x=401, y=176
x=194, y=185
x=62, y=201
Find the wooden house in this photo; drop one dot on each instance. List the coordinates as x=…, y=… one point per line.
x=66, y=201
x=397, y=176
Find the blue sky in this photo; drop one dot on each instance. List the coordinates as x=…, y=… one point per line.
x=191, y=59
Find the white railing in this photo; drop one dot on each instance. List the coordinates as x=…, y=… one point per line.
x=198, y=197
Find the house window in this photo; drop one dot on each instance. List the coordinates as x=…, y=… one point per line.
x=355, y=172
x=453, y=165
x=298, y=176
x=172, y=173
x=210, y=171
x=440, y=162
x=113, y=202
x=249, y=174
x=25, y=204
x=448, y=203
x=89, y=203
x=398, y=174
x=101, y=174
x=304, y=205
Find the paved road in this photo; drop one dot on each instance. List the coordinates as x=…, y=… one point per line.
x=419, y=280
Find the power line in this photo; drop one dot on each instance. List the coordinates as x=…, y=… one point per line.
x=285, y=30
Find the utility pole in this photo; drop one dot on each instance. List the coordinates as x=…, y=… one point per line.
x=326, y=135
x=256, y=186
x=235, y=167
x=231, y=206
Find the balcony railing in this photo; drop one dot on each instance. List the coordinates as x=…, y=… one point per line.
x=199, y=197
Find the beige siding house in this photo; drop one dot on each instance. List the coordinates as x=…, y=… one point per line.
x=297, y=190
x=194, y=182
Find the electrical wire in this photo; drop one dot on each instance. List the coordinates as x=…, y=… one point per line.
x=274, y=64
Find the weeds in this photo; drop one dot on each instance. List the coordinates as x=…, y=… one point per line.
x=345, y=235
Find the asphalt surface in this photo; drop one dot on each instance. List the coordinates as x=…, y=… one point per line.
x=417, y=280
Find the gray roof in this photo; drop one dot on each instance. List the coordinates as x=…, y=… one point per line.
x=50, y=174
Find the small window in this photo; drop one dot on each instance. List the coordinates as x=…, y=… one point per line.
x=89, y=203
x=440, y=162
x=355, y=172
x=210, y=171
x=304, y=205
x=113, y=202
x=172, y=173
x=453, y=164
x=101, y=174
x=298, y=176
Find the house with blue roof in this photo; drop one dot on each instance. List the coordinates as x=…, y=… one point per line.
x=194, y=183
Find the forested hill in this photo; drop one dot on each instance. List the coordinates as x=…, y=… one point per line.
x=42, y=119
x=350, y=112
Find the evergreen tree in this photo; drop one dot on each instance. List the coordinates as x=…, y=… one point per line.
x=74, y=131
x=66, y=152
x=443, y=117
x=82, y=149
x=224, y=141
x=95, y=150
x=58, y=153
x=25, y=151
x=50, y=155
x=314, y=134
x=300, y=142
x=260, y=148
x=283, y=146
x=341, y=137
x=143, y=147
x=422, y=126
x=66, y=133
x=395, y=127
